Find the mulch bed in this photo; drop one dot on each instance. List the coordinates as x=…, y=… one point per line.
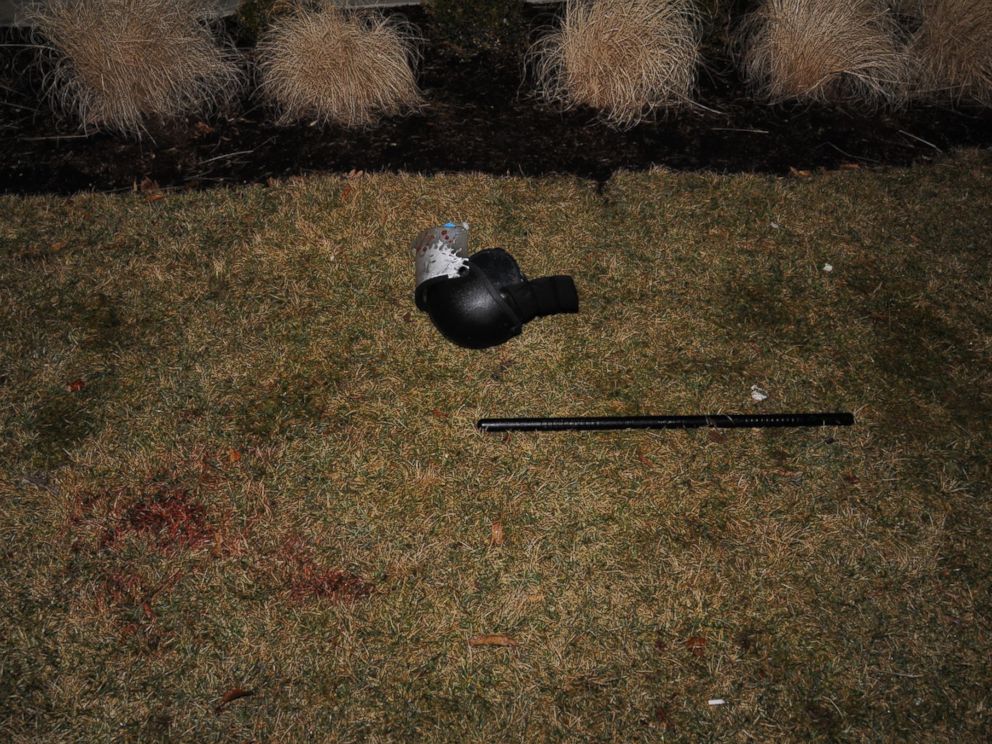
x=481, y=116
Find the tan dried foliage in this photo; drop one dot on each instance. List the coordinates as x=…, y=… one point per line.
x=114, y=64
x=843, y=51
x=952, y=50
x=334, y=67
x=628, y=59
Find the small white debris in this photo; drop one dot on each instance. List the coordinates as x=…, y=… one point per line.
x=828, y=267
x=758, y=394
x=776, y=226
x=717, y=701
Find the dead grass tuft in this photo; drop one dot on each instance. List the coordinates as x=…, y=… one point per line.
x=845, y=51
x=339, y=68
x=625, y=58
x=952, y=50
x=114, y=64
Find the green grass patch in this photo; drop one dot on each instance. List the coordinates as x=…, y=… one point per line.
x=236, y=459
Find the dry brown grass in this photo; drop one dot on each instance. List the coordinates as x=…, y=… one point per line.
x=333, y=67
x=115, y=64
x=952, y=50
x=269, y=479
x=906, y=8
x=625, y=58
x=843, y=51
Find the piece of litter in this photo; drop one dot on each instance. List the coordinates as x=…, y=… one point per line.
x=828, y=267
x=758, y=394
x=717, y=701
x=775, y=226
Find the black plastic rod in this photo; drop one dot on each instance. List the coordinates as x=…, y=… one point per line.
x=713, y=420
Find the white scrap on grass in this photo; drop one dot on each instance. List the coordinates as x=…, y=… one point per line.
x=775, y=226
x=717, y=701
x=828, y=267
x=758, y=393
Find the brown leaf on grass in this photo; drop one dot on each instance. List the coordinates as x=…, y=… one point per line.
x=851, y=478
x=696, y=645
x=202, y=128
x=787, y=472
x=661, y=717
x=58, y=246
x=75, y=386
x=438, y=413
x=233, y=456
x=150, y=189
x=497, y=533
x=235, y=693
x=799, y=173
x=716, y=436
x=346, y=192
x=494, y=639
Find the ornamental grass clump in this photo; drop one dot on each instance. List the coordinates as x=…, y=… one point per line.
x=909, y=9
x=325, y=65
x=841, y=51
x=627, y=59
x=119, y=64
x=952, y=51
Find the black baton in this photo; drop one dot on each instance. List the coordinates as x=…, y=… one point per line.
x=712, y=420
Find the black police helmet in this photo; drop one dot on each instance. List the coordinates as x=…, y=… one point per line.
x=484, y=299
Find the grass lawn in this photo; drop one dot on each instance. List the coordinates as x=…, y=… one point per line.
x=242, y=497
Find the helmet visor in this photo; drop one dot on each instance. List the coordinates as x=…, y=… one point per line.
x=441, y=252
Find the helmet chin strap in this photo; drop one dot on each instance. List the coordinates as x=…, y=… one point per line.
x=547, y=295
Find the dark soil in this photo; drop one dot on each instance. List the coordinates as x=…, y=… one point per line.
x=481, y=116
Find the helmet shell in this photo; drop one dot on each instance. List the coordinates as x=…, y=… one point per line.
x=470, y=309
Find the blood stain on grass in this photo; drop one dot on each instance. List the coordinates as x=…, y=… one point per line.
x=332, y=584
x=166, y=511
x=168, y=515
x=119, y=589
x=309, y=580
x=130, y=543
